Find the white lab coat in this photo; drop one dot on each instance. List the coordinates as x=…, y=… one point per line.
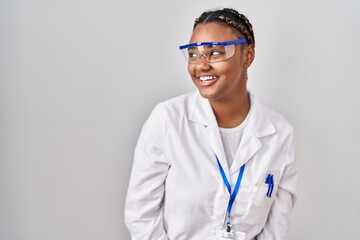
x=176, y=191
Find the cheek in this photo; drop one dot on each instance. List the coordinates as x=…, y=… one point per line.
x=233, y=68
x=223, y=68
x=191, y=69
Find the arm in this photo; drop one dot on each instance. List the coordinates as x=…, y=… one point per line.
x=144, y=201
x=277, y=224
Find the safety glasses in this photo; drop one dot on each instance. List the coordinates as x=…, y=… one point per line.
x=211, y=51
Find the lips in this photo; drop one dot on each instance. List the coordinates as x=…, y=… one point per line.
x=207, y=80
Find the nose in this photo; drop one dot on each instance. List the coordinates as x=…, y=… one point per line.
x=202, y=63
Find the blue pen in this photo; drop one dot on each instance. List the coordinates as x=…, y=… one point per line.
x=270, y=182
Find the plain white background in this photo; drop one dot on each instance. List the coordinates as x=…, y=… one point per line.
x=79, y=78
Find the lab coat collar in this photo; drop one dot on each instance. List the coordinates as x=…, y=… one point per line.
x=259, y=125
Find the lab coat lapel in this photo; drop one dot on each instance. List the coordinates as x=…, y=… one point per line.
x=201, y=112
x=249, y=145
x=258, y=126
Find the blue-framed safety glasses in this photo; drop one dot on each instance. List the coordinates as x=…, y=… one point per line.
x=212, y=51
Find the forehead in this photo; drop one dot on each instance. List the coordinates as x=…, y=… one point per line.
x=212, y=32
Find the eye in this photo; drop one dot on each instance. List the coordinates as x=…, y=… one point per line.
x=215, y=53
x=192, y=55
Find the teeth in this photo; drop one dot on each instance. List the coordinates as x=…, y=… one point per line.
x=206, y=78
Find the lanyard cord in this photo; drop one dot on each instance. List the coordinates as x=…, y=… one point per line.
x=228, y=186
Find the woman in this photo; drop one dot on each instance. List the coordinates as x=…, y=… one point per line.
x=213, y=164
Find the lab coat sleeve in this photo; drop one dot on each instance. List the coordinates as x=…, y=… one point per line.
x=145, y=196
x=277, y=224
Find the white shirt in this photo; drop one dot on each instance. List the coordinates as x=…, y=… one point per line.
x=176, y=191
x=230, y=138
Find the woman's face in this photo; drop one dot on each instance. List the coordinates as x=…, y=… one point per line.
x=221, y=80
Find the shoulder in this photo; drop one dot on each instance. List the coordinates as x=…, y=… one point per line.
x=279, y=121
x=269, y=120
x=166, y=114
x=176, y=107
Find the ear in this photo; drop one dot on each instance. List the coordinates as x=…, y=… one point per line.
x=249, y=55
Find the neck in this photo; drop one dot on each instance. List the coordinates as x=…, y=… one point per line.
x=231, y=113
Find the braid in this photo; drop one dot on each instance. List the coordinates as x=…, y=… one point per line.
x=232, y=18
x=238, y=26
x=241, y=16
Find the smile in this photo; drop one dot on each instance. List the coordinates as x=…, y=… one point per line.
x=207, y=78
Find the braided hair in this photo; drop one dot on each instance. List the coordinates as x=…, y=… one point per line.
x=232, y=18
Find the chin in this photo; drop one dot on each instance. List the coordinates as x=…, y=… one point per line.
x=207, y=94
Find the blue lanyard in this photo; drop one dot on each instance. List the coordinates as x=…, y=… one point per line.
x=228, y=186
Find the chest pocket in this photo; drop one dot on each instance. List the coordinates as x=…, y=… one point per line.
x=262, y=197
